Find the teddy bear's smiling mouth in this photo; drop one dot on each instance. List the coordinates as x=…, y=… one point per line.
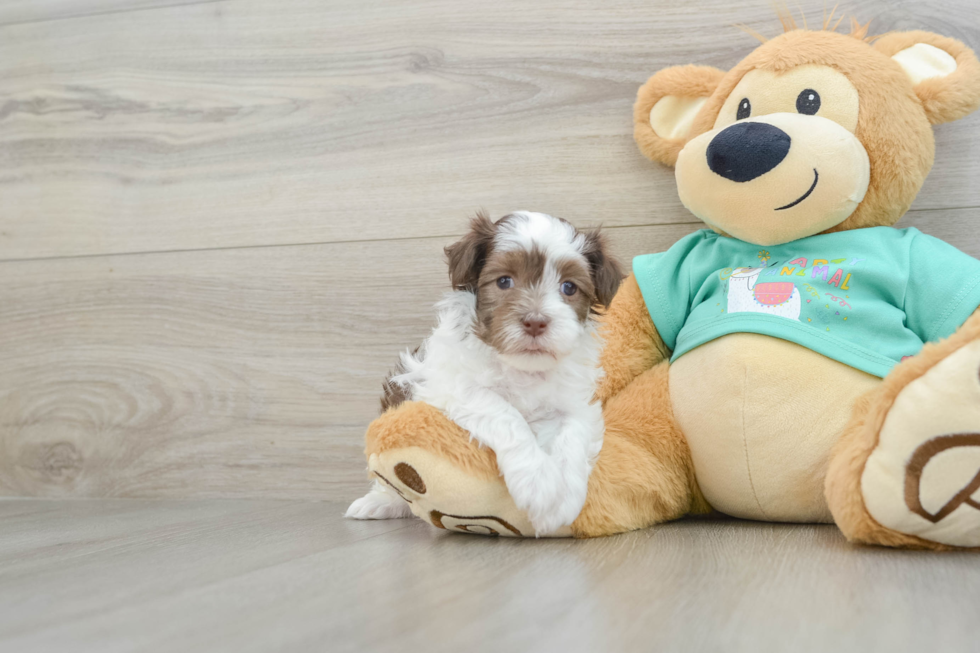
x=816, y=177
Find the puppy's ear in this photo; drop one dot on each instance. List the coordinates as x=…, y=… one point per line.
x=945, y=74
x=666, y=106
x=467, y=256
x=605, y=270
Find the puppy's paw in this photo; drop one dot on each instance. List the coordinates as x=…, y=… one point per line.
x=539, y=489
x=567, y=472
x=378, y=504
x=534, y=484
x=563, y=511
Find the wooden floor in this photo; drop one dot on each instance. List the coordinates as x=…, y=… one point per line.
x=250, y=575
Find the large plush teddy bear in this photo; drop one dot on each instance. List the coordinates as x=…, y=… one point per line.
x=801, y=360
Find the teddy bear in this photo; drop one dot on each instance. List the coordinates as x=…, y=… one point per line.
x=798, y=360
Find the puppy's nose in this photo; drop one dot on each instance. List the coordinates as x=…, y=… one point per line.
x=747, y=150
x=535, y=326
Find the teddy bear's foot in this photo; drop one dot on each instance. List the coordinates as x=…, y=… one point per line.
x=448, y=497
x=923, y=478
x=920, y=483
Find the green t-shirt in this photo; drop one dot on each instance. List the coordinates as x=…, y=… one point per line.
x=867, y=297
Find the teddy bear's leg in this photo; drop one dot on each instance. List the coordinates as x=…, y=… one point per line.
x=643, y=475
x=446, y=478
x=906, y=471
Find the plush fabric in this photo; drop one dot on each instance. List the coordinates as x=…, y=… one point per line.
x=922, y=477
x=631, y=342
x=820, y=180
x=748, y=423
x=415, y=424
x=689, y=82
x=886, y=95
x=760, y=425
x=860, y=438
x=944, y=99
x=639, y=481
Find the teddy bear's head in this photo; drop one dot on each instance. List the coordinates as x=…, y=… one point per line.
x=813, y=132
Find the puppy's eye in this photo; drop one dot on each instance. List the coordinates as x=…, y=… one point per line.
x=505, y=283
x=744, y=109
x=569, y=288
x=808, y=102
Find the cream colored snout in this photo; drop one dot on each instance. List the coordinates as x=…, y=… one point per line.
x=773, y=179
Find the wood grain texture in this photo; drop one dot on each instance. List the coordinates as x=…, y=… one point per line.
x=233, y=373
x=246, y=576
x=18, y=12
x=245, y=122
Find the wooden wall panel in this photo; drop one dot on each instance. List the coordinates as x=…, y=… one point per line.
x=221, y=221
x=251, y=122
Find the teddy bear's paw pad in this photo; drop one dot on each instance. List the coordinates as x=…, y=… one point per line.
x=478, y=525
x=449, y=497
x=923, y=478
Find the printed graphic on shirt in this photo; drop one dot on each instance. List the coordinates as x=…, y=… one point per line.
x=747, y=295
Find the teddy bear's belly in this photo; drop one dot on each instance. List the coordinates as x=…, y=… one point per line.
x=761, y=416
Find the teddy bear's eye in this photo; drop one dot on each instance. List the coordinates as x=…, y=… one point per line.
x=745, y=109
x=808, y=102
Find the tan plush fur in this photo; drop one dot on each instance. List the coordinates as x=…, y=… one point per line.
x=641, y=481
x=644, y=473
x=843, y=484
x=680, y=81
x=415, y=424
x=632, y=344
x=948, y=98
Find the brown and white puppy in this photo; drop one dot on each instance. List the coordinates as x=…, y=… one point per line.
x=514, y=360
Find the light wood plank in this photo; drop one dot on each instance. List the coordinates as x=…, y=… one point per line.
x=18, y=12
x=299, y=121
x=233, y=373
x=257, y=576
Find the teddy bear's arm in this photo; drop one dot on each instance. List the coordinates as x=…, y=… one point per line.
x=632, y=344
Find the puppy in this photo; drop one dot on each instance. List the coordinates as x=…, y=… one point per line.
x=514, y=360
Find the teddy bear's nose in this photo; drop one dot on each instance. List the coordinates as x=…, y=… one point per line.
x=747, y=150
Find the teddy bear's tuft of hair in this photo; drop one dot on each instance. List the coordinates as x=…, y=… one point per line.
x=788, y=21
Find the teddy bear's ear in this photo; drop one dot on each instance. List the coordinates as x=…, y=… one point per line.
x=666, y=106
x=945, y=73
